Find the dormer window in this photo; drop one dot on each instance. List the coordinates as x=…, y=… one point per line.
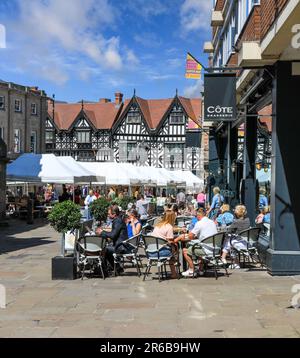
x=177, y=118
x=134, y=118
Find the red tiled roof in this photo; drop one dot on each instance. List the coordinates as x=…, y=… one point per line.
x=101, y=115
x=193, y=107
x=154, y=109
x=266, y=121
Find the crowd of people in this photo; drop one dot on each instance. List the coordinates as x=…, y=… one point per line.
x=205, y=221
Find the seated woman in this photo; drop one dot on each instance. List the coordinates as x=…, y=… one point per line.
x=264, y=217
x=133, y=224
x=267, y=215
x=260, y=217
x=240, y=224
x=226, y=217
x=164, y=230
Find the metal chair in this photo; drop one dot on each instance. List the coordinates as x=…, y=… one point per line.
x=154, y=252
x=90, y=254
x=131, y=256
x=250, y=237
x=212, y=246
x=183, y=221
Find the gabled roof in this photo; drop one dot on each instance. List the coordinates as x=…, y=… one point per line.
x=101, y=115
x=104, y=115
x=154, y=109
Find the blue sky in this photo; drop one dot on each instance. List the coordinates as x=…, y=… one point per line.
x=89, y=49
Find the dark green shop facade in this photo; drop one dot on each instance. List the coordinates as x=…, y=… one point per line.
x=234, y=170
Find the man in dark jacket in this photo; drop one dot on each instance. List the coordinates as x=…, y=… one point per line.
x=117, y=235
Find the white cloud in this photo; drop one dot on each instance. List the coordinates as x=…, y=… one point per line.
x=175, y=62
x=147, y=8
x=148, y=39
x=131, y=58
x=193, y=90
x=195, y=15
x=66, y=36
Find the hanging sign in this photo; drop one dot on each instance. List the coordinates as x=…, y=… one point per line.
x=219, y=97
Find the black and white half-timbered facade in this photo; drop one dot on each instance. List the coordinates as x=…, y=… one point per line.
x=158, y=132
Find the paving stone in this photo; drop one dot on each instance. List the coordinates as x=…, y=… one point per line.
x=250, y=303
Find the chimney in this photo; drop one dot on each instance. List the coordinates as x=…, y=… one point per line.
x=118, y=98
x=104, y=100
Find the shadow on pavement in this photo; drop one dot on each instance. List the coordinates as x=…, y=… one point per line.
x=9, y=240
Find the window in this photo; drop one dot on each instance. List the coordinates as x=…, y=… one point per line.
x=2, y=133
x=177, y=118
x=33, y=142
x=49, y=136
x=18, y=105
x=2, y=102
x=17, y=141
x=174, y=155
x=134, y=118
x=83, y=137
x=33, y=109
x=132, y=154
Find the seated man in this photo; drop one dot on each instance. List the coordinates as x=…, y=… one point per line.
x=117, y=235
x=202, y=229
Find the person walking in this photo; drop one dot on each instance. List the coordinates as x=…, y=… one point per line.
x=87, y=202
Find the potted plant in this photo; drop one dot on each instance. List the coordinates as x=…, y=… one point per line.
x=123, y=203
x=99, y=209
x=64, y=217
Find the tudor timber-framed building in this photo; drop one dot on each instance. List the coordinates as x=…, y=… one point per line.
x=152, y=132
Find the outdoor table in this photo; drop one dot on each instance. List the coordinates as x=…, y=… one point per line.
x=181, y=246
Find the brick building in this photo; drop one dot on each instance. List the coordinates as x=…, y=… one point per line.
x=23, y=113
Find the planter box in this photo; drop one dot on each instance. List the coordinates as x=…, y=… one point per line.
x=64, y=268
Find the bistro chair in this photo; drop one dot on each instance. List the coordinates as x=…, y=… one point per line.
x=156, y=257
x=212, y=248
x=131, y=256
x=90, y=255
x=249, y=253
x=183, y=221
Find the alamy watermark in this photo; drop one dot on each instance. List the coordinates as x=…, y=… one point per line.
x=2, y=296
x=296, y=298
x=295, y=43
x=2, y=36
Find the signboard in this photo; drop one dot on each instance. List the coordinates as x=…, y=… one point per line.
x=219, y=97
x=193, y=67
x=193, y=139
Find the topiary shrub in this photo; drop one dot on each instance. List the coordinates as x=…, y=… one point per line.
x=99, y=209
x=65, y=216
